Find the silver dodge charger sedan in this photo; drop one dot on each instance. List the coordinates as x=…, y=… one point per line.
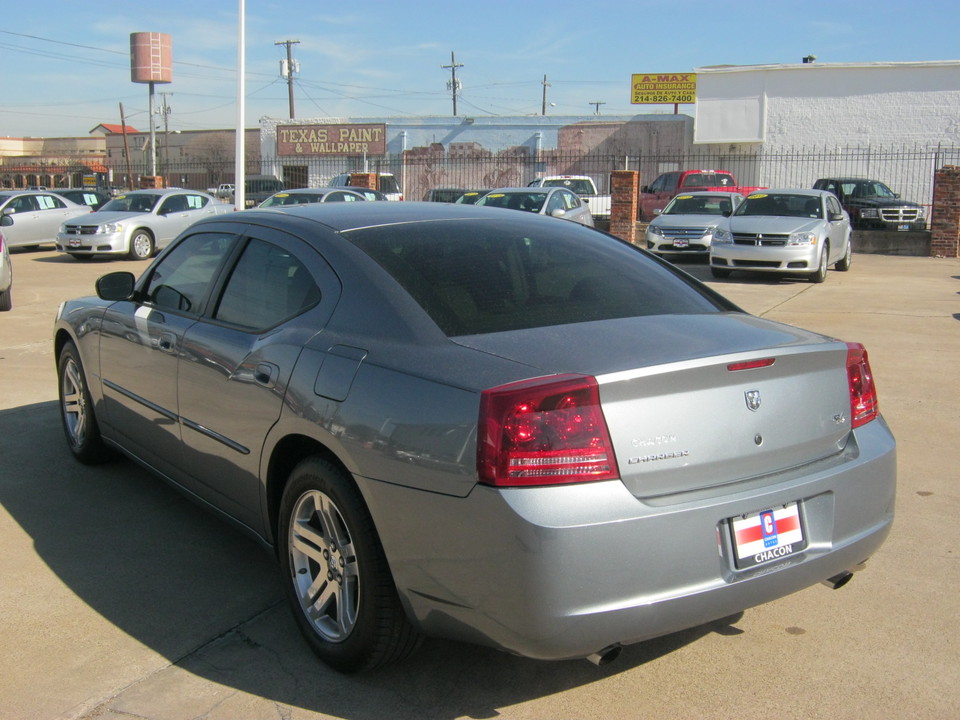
x=454, y=421
x=784, y=231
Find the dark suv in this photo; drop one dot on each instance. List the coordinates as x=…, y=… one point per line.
x=872, y=205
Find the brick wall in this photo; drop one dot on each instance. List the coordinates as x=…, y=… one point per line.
x=364, y=180
x=624, y=204
x=945, y=223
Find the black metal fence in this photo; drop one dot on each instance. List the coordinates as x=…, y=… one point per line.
x=908, y=171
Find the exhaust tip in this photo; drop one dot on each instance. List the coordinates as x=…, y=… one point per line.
x=838, y=581
x=605, y=656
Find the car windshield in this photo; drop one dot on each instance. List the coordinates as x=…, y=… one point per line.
x=580, y=187
x=872, y=189
x=131, y=203
x=698, y=205
x=529, y=201
x=497, y=275
x=292, y=199
x=781, y=205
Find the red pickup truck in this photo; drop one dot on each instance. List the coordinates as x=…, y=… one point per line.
x=656, y=195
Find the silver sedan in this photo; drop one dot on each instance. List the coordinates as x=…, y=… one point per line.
x=30, y=218
x=686, y=225
x=784, y=231
x=301, y=196
x=456, y=421
x=136, y=224
x=553, y=202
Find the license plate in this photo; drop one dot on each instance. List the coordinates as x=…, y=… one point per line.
x=768, y=535
x=903, y=228
x=681, y=243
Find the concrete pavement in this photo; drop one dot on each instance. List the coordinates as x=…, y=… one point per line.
x=120, y=599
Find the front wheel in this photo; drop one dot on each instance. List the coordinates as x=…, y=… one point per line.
x=336, y=575
x=141, y=245
x=821, y=274
x=76, y=409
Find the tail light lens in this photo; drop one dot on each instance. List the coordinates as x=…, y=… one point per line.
x=864, y=405
x=547, y=431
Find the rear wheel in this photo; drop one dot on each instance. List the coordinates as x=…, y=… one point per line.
x=76, y=409
x=141, y=245
x=336, y=575
x=844, y=263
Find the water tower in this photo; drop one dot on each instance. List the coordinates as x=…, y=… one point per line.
x=151, y=62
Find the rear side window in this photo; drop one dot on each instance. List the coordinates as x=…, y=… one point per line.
x=491, y=276
x=268, y=285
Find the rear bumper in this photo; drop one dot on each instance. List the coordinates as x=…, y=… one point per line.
x=557, y=573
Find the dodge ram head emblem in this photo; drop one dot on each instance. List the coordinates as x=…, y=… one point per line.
x=753, y=399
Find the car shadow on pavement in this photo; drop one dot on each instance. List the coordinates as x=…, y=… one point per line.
x=193, y=589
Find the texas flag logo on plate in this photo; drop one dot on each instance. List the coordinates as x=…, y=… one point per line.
x=767, y=535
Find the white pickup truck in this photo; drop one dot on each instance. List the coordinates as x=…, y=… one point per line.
x=583, y=186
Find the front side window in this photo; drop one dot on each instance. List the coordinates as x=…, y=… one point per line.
x=267, y=286
x=183, y=278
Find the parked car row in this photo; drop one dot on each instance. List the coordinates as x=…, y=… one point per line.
x=789, y=231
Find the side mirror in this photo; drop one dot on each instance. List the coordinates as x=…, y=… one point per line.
x=558, y=213
x=835, y=216
x=6, y=220
x=116, y=286
x=645, y=189
x=657, y=211
x=727, y=213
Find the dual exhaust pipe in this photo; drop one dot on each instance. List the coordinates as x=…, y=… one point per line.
x=612, y=652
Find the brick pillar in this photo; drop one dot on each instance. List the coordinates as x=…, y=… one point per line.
x=624, y=204
x=364, y=180
x=945, y=223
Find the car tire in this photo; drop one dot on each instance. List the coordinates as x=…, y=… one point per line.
x=76, y=409
x=821, y=274
x=141, y=245
x=844, y=263
x=719, y=273
x=336, y=575
x=6, y=300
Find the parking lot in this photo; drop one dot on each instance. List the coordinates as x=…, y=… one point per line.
x=121, y=599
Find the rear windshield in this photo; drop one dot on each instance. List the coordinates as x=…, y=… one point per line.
x=487, y=276
x=698, y=205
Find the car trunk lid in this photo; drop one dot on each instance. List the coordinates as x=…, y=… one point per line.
x=695, y=402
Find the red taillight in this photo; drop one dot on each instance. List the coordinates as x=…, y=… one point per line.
x=864, y=405
x=545, y=431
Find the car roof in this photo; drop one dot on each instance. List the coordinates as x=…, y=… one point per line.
x=790, y=191
x=710, y=193
x=343, y=217
x=160, y=191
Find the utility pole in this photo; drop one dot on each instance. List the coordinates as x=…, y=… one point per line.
x=453, y=85
x=596, y=107
x=288, y=69
x=165, y=111
x=543, y=111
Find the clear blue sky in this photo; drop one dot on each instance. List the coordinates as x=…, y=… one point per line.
x=65, y=63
